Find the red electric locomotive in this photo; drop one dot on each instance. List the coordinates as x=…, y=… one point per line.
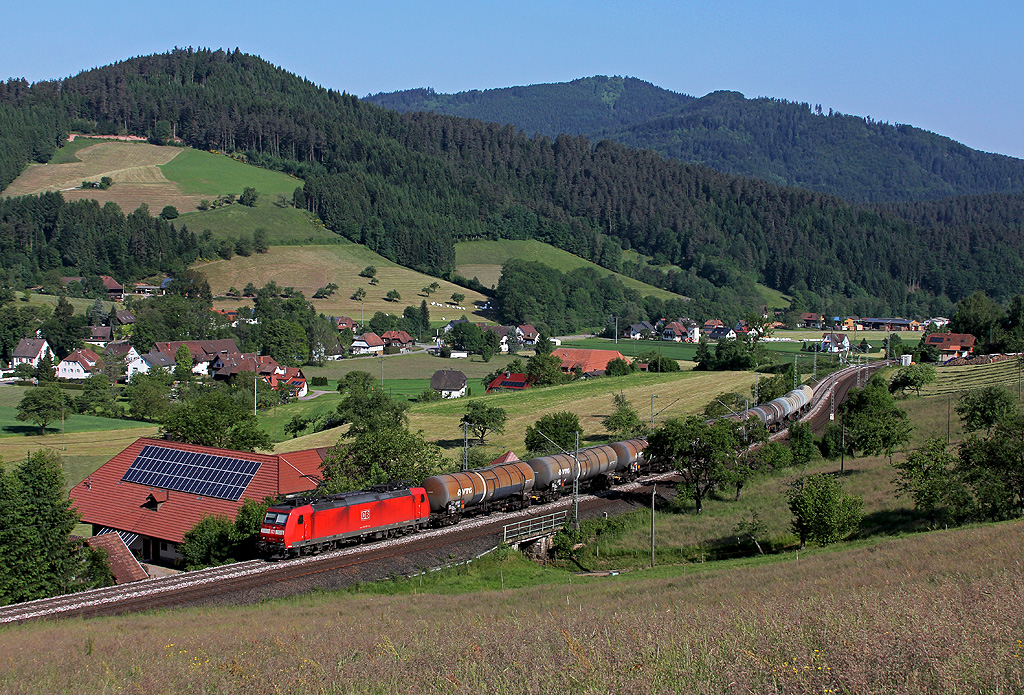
x=308, y=526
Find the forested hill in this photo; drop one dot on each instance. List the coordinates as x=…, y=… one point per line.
x=788, y=143
x=409, y=185
x=581, y=107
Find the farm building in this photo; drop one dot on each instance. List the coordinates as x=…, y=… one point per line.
x=154, y=491
x=509, y=381
x=450, y=383
x=588, y=362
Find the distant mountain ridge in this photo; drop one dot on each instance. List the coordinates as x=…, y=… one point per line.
x=409, y=185
x=783, y=142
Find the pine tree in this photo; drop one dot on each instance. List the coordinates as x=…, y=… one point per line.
x=55, y=566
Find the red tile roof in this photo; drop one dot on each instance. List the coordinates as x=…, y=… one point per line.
x=509, y=381
x=104, y=499
x=587, y=360
x=85, y=357
x=371, y=339
x=958, y=342
x=399, y=337
x=123, y=564
x=507, y=457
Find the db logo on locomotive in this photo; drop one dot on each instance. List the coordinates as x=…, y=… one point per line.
x=365, y=514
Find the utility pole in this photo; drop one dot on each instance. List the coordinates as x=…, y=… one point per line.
x=653, y=396
x=796, y=375
x=254, y=399
x=382, y=369
x=465, y=446
x=814, y=374
x=757, y=387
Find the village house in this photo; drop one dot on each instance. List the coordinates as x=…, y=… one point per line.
x=722, y=333
x=123, y=350
x=29, y=351
x=951, y=345
x=99, y=336
x=675, y=332
x=343, y=323
x=368, y=344
x=450, y=383
x=80, y=364
x=710, y=325
x=639, y=331
x=809, y=319
x=115, y=290
x=834, y=342
x=529, y=334
x=399, y=339
x=154, y=359
x=203, y=351
x=155, y=490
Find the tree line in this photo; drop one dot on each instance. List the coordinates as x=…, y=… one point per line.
x=409, y=185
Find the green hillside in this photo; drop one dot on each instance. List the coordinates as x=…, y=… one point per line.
x=483, y=260
x=773, y=139
x=211, y=174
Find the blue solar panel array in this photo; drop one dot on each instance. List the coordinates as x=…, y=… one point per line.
x=207, y=475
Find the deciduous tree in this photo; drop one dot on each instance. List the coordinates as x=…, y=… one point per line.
x=555, y=432
x=483, y=418
x=822, y=511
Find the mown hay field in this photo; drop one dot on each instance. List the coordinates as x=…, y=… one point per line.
x=934, y=613
x=307, y=268
x=134, y=167
x=483, y=260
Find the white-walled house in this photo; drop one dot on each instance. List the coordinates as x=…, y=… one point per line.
x=29, y=351
x=133, y=362
x=450, y=383
x=834, y=342
x=80, y=364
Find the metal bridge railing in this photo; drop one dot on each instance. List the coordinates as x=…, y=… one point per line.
x=535, y=527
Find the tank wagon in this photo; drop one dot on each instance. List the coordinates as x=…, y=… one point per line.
x=504, y=487
x=776, y=413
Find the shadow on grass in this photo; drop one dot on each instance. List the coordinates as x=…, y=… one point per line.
x=891, y=522
x=28, y=430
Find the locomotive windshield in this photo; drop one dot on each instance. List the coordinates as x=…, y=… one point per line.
x=275, y=518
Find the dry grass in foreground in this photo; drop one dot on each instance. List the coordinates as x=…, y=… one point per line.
x=934, y=613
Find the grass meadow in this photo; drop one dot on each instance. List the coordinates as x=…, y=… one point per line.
x=307, y=268
x=933, y=613
x=88, y=441
x=889, y=611
x=483, y=260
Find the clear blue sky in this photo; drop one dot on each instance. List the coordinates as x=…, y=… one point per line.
x=955, y=68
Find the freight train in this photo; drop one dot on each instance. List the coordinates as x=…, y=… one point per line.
x=304, y=526
x=776, y=413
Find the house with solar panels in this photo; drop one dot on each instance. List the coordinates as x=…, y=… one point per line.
x=154, y=491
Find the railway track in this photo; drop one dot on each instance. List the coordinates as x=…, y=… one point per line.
x=255, y=580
